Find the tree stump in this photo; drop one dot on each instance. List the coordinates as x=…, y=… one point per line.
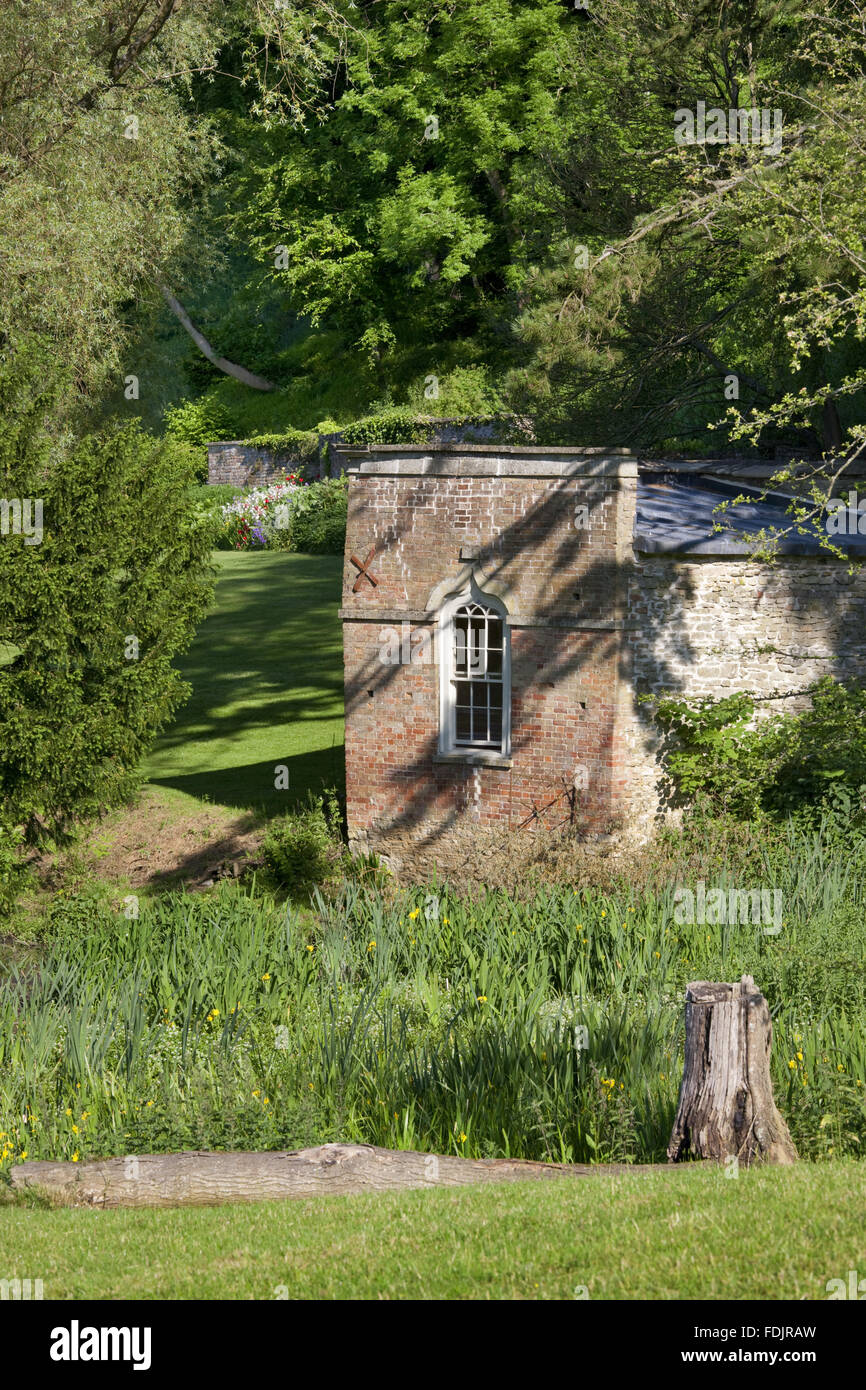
x=726, y=1107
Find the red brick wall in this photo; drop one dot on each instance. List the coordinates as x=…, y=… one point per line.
x=564, y=588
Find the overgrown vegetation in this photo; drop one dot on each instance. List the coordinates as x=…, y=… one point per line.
x=547, y=1028
x=101, y=587
x=303, y=848
x=809, y=763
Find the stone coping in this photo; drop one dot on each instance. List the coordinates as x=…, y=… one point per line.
x=480, y=461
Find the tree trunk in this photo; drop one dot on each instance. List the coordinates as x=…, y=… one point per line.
x=832, y=426
x=203, y=1179
x=230, y=368
x=726, y=1106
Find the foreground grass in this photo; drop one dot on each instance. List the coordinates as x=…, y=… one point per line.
x=266, y=671
x=769, y=1234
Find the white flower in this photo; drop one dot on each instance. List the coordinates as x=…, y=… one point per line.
x=258, y=506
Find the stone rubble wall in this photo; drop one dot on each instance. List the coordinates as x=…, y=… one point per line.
x=713, y=627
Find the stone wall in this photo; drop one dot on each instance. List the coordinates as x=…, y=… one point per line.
x=712, y=626
x=245, y=465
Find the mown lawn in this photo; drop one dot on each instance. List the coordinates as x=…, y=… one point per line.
x=266, y=671
x=694, y=1234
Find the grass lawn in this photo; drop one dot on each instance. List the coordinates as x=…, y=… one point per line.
x=769, y=1234
x=266, y=671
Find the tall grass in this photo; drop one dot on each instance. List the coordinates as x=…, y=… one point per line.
x=549, y=1028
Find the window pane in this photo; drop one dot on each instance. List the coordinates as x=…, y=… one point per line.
x=477, y=674
x=460, y=651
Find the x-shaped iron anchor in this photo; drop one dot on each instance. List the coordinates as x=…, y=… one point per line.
x=365, y=573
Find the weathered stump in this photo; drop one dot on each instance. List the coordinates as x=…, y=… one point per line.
x=726, y=1107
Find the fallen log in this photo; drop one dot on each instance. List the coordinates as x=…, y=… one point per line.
x=726, y=1108
x=205, y=1179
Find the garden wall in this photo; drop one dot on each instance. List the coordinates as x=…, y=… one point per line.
x=242, y=464
x=708, y=626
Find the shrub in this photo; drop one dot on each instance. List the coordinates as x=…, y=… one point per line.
x=808, y=763
x=303, y=849
x=319, y=517
x=404, y=425
x=212, y=497
x=396, y=426
x=193, y=424
x=199, y=422
x=300, y=447
x=93, y=616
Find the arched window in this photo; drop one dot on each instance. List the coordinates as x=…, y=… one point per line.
x=475, y=675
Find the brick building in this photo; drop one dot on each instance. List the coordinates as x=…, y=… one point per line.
x=504, y=608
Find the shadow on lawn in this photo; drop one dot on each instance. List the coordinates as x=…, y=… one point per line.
x=251, y=787
x=266, y=672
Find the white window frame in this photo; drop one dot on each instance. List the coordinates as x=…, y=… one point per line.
x=448, y=744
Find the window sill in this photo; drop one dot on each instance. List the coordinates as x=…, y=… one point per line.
x=474, y=757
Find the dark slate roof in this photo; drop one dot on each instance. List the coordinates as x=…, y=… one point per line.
x=675, y=515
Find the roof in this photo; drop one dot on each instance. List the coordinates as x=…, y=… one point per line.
x=676, y=514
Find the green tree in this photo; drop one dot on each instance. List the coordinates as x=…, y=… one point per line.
x=710, y=267
x=99, y=157
x=104, y=573
x=391, y=213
